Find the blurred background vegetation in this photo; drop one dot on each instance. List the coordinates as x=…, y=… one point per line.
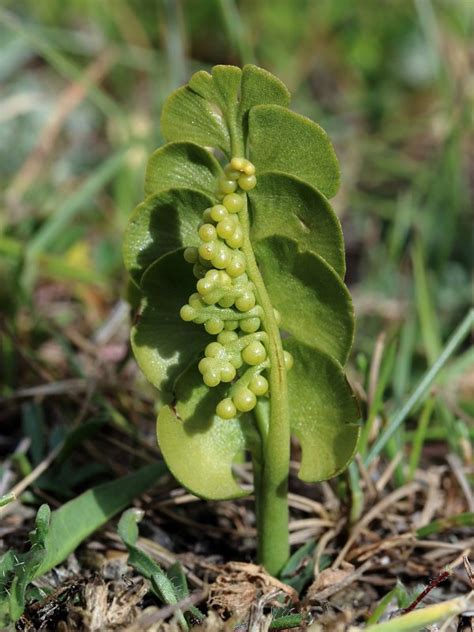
x=83, y=83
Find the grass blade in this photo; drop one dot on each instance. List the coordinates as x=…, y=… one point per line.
x=162, y=585
x=460, y=520
x=418, y=619
x=8, y=498
x=429, y=377
x=419, y=438
x=58, y=222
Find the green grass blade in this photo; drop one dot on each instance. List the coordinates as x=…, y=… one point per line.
x=357, y=495
x=418, y=619
x=162, y=585
x=419, y=438
x=460, y=520
x=397, y=592
x=429, y=323
x=429, y=377
x=236, y=32
x=8, y=498
x=58, y=222
x=174, y=42
x=62, y=65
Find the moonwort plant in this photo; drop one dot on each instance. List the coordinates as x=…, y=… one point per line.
x=244, y=323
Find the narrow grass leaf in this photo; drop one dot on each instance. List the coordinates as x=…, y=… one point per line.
x=418, y=619
x=57, y=223
x=465, y=519
x=419, y=437
x=427, y=380
x=385, y=601
x=162, y=585
x=8, y=498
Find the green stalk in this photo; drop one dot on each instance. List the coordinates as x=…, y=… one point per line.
x=272, y=493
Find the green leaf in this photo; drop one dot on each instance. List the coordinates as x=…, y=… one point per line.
x=324, y=413
x=199, y=447
x=176, y=575
x=314, y=304
x=212, y=109
x=221, y=88
x=27, y=564
x=80, y=517
x=57, y=534
x=7, y=498
x=162, y=586
x=299, y=570
x=164, y=222
x=187, y=116
x=42, y=522
x=163, y=344
x=281, y=140
x=182, y=165
x=260, y=87
x=283, y=205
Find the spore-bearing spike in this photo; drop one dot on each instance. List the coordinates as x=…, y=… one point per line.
x=225, y=301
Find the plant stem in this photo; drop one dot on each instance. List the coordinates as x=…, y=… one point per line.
x=272, y=492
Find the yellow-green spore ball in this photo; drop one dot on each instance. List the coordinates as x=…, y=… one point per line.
x=207, y=232
x=226, y=227
x=288, y=360
x=191, y=255
x=245, y=301
x=198, y=270
x=212, y=297
x=244, y=400
x=227, y=185
x=238, y=163
x=219, y=212
x=228, y=372
x=250, y=325
x=223, y=278
x=231, y=325
x=258, y=385
x=206, y=364
x=226, y=337
x=236, y=359
x=254, y=353
x=277, y=315
x=236, y=266
x=247, y=183
x=226, y=409
x=203, y=262
x=249, y=168
x=214, y=326
x=236, y=239
x=233, y=202
x=204, y=286
x=195, y=300
x=226, y=301
x=221, y=258
x=206, y=216
x=214, y=350
x=232, y=174
x=211, y=377
x=208, y=250
x=213, y=275
x=187, y=313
